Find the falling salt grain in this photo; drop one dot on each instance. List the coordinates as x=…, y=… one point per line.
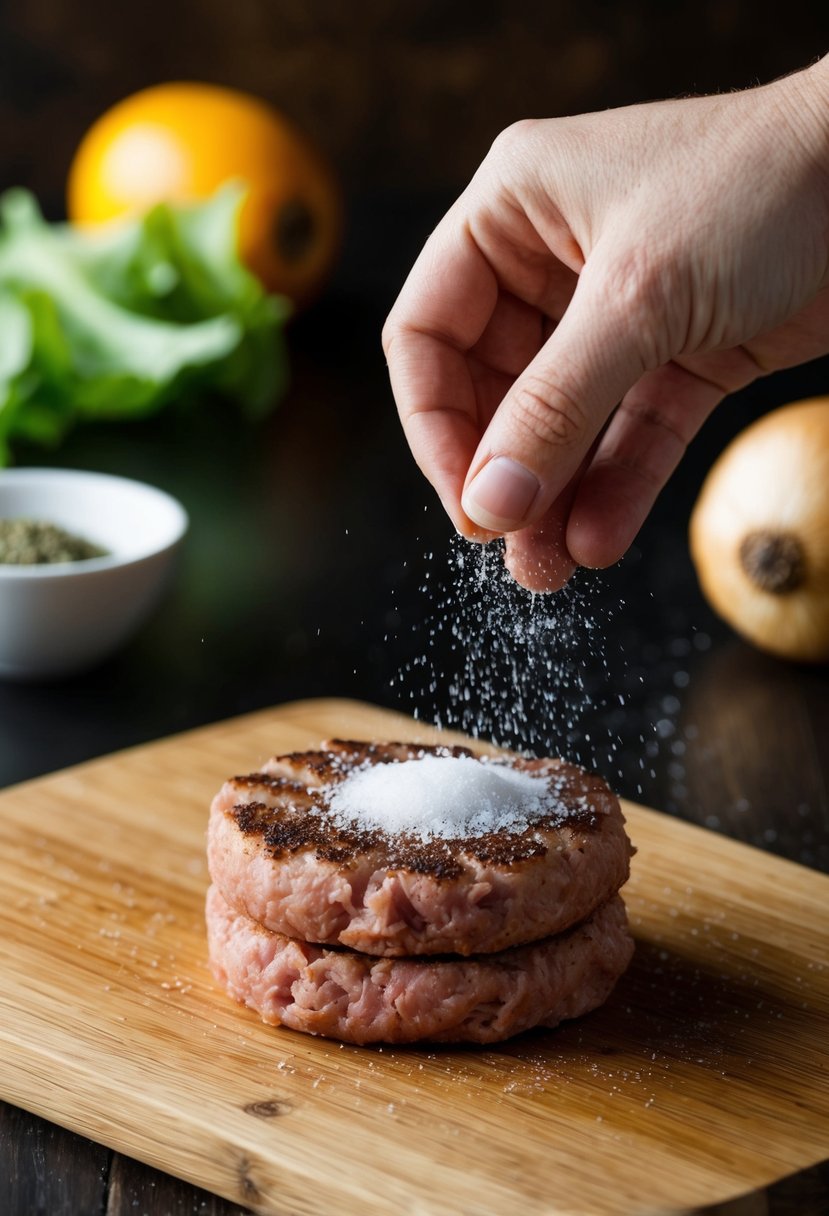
x=524, y=670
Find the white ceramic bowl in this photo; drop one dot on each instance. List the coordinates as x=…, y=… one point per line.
x=59, y=618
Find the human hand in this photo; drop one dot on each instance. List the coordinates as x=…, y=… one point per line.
x=602, y=283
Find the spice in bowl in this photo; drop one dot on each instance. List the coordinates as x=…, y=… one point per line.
x=32, y=542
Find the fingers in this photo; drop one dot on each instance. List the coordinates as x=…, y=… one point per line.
x=501, y=415
x=643, y=444
x=537, y=556
x=441, y=312
x=546, y=423
x=437, y=401
x=514, y=334
x=595, y=519
x=455, y=340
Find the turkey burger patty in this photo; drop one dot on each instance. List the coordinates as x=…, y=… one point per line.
x=289, y=850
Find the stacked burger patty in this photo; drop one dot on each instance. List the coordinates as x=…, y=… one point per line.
x=336, y=925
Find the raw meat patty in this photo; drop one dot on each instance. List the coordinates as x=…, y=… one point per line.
x=361, y=999
x=277, y=857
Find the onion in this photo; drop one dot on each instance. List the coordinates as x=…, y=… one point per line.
x=760, y=532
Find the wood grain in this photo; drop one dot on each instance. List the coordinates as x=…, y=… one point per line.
x=705, y=1076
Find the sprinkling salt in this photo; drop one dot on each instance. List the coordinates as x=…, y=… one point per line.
x=443, y=796
x=526, y=671
x=570, y=674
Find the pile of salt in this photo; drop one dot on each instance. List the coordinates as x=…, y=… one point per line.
x=447, y=797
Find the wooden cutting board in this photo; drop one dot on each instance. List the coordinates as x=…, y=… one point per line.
x=705, y=1076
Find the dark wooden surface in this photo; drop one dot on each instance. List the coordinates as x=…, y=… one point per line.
x=302, y=570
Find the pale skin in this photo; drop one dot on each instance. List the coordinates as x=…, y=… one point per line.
x=600, y=286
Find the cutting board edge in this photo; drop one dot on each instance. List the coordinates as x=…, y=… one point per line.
x=246, y=1192
x=243, y=1190
x=187, y=1137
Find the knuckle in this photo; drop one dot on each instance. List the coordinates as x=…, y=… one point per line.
x=661, y=443
x=634, y=276
x=642, y=286
x=389, y=335
x=512, y=138
x=659, y=421
x=549, y=416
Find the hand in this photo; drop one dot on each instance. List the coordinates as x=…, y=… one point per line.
x=602, y=283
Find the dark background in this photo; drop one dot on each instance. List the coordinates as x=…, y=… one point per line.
x=302, y=571
x=309, y=537
x=403, y=95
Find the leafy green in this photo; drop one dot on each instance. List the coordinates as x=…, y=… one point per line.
x=115, y=323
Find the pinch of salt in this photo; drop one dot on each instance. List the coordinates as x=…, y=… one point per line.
x=447, y=797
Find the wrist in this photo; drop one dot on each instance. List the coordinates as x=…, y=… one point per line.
x=805, y=96
x=817, y=77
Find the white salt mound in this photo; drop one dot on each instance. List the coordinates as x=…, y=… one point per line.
x=442, y=796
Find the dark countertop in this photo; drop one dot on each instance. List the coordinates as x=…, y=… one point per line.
x=302, y=576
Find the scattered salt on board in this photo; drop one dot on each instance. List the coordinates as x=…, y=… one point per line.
x=442, y=796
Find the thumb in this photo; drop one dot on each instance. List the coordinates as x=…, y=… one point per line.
x=553, y=412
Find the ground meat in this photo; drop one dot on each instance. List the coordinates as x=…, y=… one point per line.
x=362, y=999
x=277, y=857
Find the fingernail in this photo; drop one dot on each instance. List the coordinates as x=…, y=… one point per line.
x=500, y=496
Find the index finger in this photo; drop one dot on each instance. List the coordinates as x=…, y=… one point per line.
x=441, y=312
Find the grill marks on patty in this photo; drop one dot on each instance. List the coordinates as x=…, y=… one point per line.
x=281, y=834
x=280, y=859
x=286, y=807
x=370, y=936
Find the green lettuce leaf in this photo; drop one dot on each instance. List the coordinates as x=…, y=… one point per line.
x=117, y=322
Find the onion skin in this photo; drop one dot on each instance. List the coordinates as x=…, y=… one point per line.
x=759, y=532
